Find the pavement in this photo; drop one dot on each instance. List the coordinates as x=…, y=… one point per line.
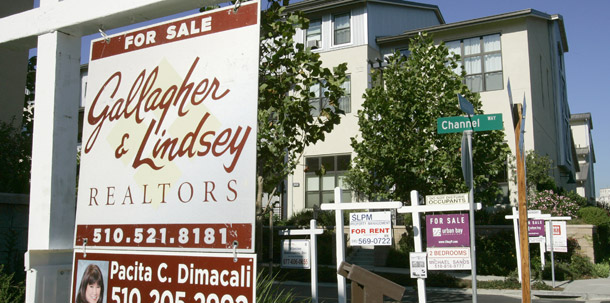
x=589, y=290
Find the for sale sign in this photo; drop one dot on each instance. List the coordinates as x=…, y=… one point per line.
x=295, y=253
x=370, y=228
x=169, y=140
x=449, y=258
x=560, y=236
x=447, y=230
x=123, y=277
x=535, y=228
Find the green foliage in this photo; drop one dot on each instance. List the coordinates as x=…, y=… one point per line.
x=492, y=217
x=399, y=147
x=10, y=291
x=601, y=243
x=15, y=159
x=538, y=173
x=496, y=254
x=287, y=70
x=16, y=144
x=267, y=292
x=594, y=215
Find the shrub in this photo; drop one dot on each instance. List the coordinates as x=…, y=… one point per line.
x=549, y=202
x=496, y=254
x=266, y=291
x=594, y=215
x=10, y=291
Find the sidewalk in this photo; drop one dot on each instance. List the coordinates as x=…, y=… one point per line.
x=588, y=290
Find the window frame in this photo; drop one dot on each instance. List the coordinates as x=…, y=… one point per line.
x=308, y=35
x=321, y=101
x=481, y=55
x=335, y=173
x=335, y=30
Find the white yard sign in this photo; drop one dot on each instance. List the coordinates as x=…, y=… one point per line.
x=560, y=237
x=295, y=254
x=169, y=141
x=370, y=228
x=447, y=199
x=449, y=258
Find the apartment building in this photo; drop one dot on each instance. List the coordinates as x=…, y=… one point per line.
x=582, y=124
x=526, y=47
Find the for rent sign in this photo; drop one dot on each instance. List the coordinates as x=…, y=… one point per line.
x=169, y=140
x=166, y=277
x=370, y=228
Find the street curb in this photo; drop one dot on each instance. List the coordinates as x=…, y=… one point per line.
x=516, y=293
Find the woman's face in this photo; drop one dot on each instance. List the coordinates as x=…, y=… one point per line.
x=92, y=293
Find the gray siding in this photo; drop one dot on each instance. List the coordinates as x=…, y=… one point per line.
x=394, y=20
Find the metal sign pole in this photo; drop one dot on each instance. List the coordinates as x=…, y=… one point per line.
x=473, y=254
x=552, y=252
x=313, y=253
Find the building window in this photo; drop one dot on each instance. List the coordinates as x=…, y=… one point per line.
x=322, y=175
x=319, y=99
x=313, y=37
x=341, y=27
x=481, y=58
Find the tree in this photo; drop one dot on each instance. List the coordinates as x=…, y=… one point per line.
x=285, y=122
x=16, y=144
x=538, y=172
x=399, y=149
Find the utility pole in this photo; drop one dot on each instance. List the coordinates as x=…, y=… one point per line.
x=523, y=237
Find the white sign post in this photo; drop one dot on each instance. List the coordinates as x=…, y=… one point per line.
x=415, y=209
x=549, y=241
x=312, y=232
x=339, y=207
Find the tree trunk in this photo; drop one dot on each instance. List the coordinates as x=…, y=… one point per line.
x=258, y=234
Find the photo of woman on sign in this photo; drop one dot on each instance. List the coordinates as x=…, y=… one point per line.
x=91, y=288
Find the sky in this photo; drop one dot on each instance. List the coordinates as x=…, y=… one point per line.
x=586, y=25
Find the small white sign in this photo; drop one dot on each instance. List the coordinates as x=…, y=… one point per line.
x=370, y=228
x=447, y=199
x=449, y=258
x=536, y=239
x=560, y=237
x=295, y=254
x=418, y=265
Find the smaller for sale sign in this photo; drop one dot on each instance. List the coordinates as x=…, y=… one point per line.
x=127, y=277
x=370, y=228
x=449, y=258
x=295, y=254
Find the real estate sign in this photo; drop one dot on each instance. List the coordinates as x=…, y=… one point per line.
x=560, y=236
x=165, y=277
x=447, y=199
x=295, y=253
x=169, y=140
x=370, y=228
x=451, y=230
x=449, y=258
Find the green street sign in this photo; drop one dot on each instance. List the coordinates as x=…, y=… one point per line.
x=459, y=124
